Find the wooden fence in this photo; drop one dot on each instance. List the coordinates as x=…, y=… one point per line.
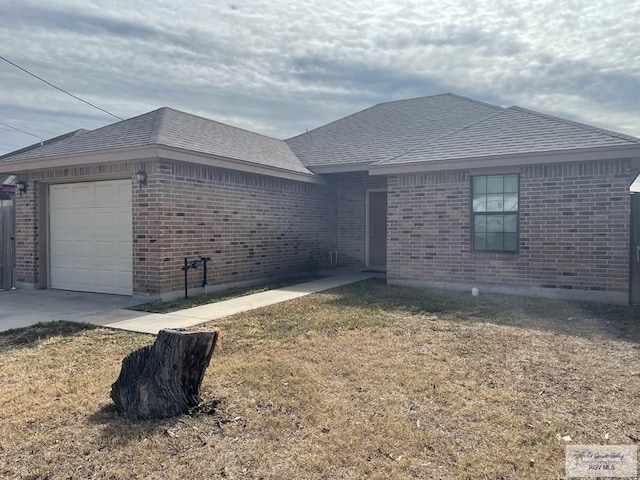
x=6, y=246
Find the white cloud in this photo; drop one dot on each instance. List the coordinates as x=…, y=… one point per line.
x=281, y=66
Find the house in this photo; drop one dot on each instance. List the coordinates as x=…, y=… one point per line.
x=442, y=190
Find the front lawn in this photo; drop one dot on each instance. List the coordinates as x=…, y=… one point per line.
x=364, y=381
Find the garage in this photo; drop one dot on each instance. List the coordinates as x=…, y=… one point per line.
x=90, y=237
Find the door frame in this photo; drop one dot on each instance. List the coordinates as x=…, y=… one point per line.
x=366, y=227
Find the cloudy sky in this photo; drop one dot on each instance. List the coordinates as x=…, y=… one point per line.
x=279, y=67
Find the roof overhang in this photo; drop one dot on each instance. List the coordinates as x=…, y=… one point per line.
x=340, y=168
x=152, y=152
x=169, y=153
x=535, y=158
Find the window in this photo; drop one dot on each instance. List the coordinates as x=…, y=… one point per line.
x=495, y=213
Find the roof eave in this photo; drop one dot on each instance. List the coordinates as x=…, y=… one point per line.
x=511, y=160
x=143, y=152
x=149, y=152
x=340, y=168
x=172, y=153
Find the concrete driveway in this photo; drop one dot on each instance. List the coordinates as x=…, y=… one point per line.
x=21, y=308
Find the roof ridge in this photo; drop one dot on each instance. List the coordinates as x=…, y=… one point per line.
x=163, y=120
x=480, y=102
x=452, y=132
x=448, y=94
x=334, y=121
x=158, y=124
x=220, y=123
x=583, y=126
x=48, y=141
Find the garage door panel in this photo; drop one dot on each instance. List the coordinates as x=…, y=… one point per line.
x=113, y=252
x=124, y=194
x=91, y=236
x=61, y=194
x=81, y=194
x=105, y=278
x=61, y=249
x=82, y=250
x=67, y=277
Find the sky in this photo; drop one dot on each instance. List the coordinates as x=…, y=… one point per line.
x=280, y=67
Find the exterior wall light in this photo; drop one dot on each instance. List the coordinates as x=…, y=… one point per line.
x=21, y=185
x=141, y=177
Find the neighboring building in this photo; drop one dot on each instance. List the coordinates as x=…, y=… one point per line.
x=7, y=189
x=442, y=190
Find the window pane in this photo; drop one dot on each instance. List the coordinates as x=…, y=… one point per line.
x=511, y=183
x=494, y=241
x=510, y=223
x=480, y=223
x=480, y=203
x=480, y=241
x=494, y=184
x=495, y=202
x=479, y=185
x=494, y=223
x=511, y=242
x=510, y=202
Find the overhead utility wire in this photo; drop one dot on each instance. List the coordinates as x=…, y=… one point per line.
x=23, y=131
x=58, y=88
x=10, y=145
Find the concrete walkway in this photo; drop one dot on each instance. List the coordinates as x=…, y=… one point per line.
x=23, y=308
x=154, y=322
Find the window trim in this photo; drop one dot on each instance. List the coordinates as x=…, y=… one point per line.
x=472, y=215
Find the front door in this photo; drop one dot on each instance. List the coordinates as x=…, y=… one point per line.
x=634, y=285
x=377, y=226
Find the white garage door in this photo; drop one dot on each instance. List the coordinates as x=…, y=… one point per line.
x=90, y=237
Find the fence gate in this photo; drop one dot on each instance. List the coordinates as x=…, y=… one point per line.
x=634, y=267
x=6, y=247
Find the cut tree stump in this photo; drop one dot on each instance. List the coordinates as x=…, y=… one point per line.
x=163, y=380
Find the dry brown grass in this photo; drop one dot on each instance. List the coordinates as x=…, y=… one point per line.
x=366, y=381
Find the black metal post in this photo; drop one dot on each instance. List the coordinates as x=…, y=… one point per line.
x=186, y=269
x=204, y=275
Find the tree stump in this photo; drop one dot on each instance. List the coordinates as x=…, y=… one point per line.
x=163, y=380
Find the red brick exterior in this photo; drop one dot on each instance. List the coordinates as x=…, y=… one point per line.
x=27, y=235
x=574, y=226
x=351, y=195
x=574, y=229
x=252, y=226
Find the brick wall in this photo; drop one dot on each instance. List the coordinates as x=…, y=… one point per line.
x=574, y=229
x=27, y=235
x=351, y=215
x=252, y=226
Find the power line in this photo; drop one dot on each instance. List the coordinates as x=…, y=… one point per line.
x=23, y=131
x=58, y=88
x=10, y=145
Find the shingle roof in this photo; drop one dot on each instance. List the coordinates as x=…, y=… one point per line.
x=172, y=128
x=387, y=130
x=514, y=130
x=45, y=142
x=436, y=128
